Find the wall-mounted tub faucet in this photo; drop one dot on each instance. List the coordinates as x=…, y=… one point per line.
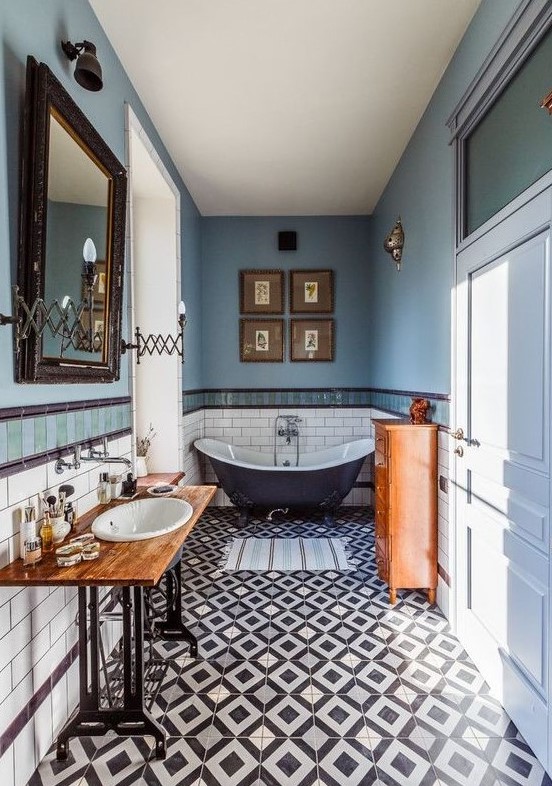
x=287, y=426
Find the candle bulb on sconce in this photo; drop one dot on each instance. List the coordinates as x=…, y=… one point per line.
x=89, y=255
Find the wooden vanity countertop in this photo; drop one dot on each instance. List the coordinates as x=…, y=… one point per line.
x=153, y=478
x=141, y=563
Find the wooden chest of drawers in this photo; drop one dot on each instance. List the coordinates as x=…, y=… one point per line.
x=406, y=505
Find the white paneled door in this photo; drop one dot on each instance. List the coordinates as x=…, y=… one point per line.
x=502, y=462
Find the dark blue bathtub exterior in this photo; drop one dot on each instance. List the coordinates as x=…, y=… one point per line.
x=324, y=487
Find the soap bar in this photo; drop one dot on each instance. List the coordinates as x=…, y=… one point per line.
x=91, y=551
x=67, y=556
x=83, y=539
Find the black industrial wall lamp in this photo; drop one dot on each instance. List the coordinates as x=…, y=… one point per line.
x=88, y=71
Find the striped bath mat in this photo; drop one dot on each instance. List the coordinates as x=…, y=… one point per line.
x=286, y=554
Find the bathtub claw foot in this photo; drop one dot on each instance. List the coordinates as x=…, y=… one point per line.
x=243, y=519
x=243, y=504
x=330, y=506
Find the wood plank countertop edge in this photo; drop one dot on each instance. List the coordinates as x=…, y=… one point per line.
x=138, y=563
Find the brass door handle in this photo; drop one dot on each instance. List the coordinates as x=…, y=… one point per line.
x=459, y=451
x=458, y=434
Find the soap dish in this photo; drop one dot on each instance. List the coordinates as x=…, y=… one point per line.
x=164, y=490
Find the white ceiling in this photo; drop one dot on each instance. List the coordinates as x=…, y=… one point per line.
x=285, y=107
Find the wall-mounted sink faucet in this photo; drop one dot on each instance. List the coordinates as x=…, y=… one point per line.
x=94, y=455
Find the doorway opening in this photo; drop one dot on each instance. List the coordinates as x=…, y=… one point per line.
x=155, y=291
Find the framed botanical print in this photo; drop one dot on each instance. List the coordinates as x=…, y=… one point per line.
x=312, y=339
x=311, y=291
x=261, y=291
x=262, y=340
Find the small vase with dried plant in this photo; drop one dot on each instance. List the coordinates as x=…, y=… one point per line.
x=142, y=446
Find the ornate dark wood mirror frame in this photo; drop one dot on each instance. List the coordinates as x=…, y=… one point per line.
x=45, y=97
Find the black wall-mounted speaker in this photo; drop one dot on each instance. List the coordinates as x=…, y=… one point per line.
x=287, y=241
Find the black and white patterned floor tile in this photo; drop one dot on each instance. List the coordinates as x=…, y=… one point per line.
x=232, y=762
x=120, y=760
x=52, y=772
x=289, y=760
x=346, y=761
x=308, y=679
x=182, y=765
x=403, y=762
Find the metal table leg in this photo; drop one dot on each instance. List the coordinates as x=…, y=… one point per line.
x=172, y=628
x=131, y=718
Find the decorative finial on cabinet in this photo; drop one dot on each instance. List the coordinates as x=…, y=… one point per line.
x=546, y=103
x=394, y=242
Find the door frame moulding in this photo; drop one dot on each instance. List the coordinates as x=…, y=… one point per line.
x=529, y=23
x=527, y=26
x=132, y=124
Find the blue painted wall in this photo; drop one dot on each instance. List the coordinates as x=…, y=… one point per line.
x=409, y=343
x=36, y=27
x=232, y=244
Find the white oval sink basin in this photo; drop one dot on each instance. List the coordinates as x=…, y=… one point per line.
x=142, y=519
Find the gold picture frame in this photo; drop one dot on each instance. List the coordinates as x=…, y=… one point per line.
x=311, y=291
x=261, y=291
x=312, y=340
x=262, y=340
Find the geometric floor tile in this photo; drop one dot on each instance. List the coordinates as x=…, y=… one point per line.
x=461, y=763
x=390, y=716
x=288, y=676
x=181, y=767
x=51, y=772
x=239, y=715
x=231, y=761
x=339, y=716
x=307, y=679
x=346, y=761
x=289, y=761
x=403, y=762
x=332, y=677
x=121, y=761
x=439, y=715
x=514, y=763
x=288, y=715
x=189, y=715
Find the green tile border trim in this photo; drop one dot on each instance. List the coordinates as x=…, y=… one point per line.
x=396, y=402
x=30, y=436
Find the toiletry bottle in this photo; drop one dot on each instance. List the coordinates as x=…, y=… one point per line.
x=33, y=550
x=104, y=489
x=27, y=529
x=69, y=514
x=46, y=533
x=127, y=484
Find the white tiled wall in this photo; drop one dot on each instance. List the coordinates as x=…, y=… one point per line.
x=319, y=428
x=38, y=624
x=192, y=428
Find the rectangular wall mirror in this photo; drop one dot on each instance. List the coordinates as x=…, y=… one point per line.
x=72, y=240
